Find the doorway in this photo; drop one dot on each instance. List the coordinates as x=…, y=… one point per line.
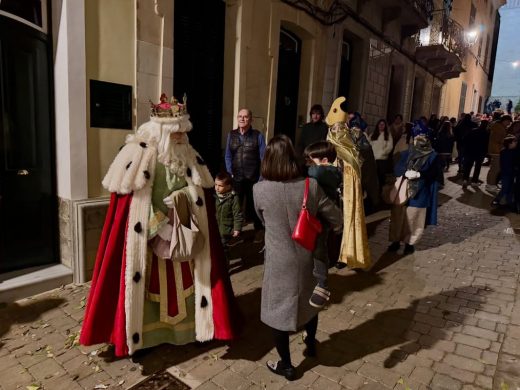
x=436, y=97
x=395, y=93
x=28, y=206
x=417, y=99
x=289, y=59
x=199, y=72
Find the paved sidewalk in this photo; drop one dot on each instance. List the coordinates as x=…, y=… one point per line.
x=446, y=317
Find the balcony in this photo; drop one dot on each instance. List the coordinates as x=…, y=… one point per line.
x=413, y=14
x=441, y=47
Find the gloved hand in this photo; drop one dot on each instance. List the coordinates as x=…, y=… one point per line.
x=168, y=201
x=412, y=175
x=166, y=232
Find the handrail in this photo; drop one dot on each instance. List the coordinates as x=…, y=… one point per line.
x=443, y=31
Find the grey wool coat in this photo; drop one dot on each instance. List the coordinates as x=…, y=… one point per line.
x=288, y=279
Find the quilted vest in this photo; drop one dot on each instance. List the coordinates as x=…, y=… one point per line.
x=246, y=154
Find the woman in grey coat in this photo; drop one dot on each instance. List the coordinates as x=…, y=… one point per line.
x=288, y=272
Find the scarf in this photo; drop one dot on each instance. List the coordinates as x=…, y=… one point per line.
x=418, y=155
x=339, y=135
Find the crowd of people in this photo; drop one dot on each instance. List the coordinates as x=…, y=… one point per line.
x=161, y=269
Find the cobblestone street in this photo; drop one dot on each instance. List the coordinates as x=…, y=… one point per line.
x=446, y=317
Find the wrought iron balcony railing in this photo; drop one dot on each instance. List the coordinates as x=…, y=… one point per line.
x=443, y=31
x=423, y=7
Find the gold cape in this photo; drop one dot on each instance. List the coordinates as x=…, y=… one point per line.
x=354, y=244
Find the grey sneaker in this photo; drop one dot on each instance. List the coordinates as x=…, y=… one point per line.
x=319, y=297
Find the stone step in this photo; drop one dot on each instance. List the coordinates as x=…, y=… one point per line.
x=27, y=282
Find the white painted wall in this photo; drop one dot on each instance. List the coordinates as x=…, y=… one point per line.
x=70, y=99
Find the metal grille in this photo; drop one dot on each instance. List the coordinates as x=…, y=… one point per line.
x=443, y=31
x=329, y=12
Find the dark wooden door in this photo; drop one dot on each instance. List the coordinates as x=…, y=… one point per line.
x=289, y=58
x=345, y=70
x=199, y=72
x=28, y=211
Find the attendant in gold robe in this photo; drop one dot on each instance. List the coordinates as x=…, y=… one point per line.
x=354, y=244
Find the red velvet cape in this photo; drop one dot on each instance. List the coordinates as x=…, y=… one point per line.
x=105, y=318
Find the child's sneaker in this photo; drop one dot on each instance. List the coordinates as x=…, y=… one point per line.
x=319, y=297
x=234, y=241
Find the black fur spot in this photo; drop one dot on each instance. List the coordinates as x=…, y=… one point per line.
x=146, y=174
x=199, y=201
x=128, y=165
x=138, y=228
x=121, y=147
x=201, y=161
x=203, y=302
x=137, y=277
x=188, y=172
x=135, y=338
x=143, y=144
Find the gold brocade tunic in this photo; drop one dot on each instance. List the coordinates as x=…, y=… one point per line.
x=354, y=244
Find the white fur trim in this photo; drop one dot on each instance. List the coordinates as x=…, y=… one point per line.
x=127, y=184
x=117, y=171
x=136, y=246
x=126, y=173
x=141, y=178
x=204, y=327
x=179, y=124
x=200, y=174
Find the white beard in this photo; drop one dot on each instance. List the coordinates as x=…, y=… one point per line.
x=177, y=158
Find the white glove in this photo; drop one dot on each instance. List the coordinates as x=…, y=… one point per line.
x=168, y=201
x=166, y=232
x=412, y=175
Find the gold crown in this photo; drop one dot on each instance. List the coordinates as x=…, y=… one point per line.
x=171, y=109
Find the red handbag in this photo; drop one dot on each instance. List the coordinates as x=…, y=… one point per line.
x=308, y=226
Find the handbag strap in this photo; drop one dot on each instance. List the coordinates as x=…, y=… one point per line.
x=305, y=193
x=399, y=188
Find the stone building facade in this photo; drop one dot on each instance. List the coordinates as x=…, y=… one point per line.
x=276, y=57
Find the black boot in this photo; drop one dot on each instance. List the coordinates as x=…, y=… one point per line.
x=279, y=368
x=310, y=350
x=394, y=246
x=408, y=249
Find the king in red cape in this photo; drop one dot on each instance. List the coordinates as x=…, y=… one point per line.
x=160, y=274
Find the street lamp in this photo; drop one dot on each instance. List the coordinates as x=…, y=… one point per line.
x=471, y=37
x=515, y=64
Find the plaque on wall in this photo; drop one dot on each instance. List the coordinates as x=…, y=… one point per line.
x=110, y=105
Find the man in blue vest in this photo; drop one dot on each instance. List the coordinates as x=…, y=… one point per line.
x=245, y=148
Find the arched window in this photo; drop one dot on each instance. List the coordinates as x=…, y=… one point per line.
x=30, y=12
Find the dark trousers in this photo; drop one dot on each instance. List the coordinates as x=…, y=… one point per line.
x=384, y=167
x=468, y=164
x=244, y=190
x=445, y=159
x=507, y=189
x=460, y=158
x=281, y=340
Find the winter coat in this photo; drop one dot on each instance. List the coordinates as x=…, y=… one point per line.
x=229, y=214
x=328, y=177
x=288, y=279
x=461, y=130
x=444, y=143
x=381, y=147
x=497, y=133
x=426, y=196
x=476, y=143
